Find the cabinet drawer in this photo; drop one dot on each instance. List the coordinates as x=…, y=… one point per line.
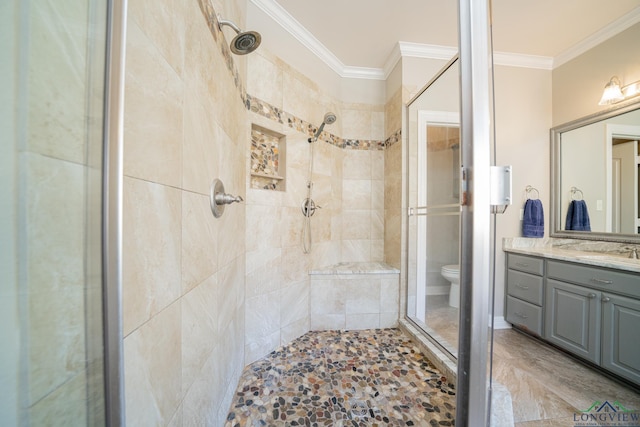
x=525, y=286
x=525, y=315
x=594, y=277
x=526, y=264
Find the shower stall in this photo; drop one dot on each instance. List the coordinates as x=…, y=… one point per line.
x=59, y=185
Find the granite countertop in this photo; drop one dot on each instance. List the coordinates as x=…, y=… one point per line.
x=600, y=255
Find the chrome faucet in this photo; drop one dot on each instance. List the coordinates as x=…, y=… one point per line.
x=634, y=253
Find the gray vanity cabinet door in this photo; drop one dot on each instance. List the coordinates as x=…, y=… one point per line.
x=572, y=319
x=621, y=336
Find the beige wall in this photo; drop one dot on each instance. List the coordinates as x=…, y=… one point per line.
x=523, y=119
x=184, y=281
x=578, y=84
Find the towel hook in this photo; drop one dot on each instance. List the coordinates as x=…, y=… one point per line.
x=575, y=190
x=529, y=189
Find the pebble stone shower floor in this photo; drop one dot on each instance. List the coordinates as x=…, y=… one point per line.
x=344, y=378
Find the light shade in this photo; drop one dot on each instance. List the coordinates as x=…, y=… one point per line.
x=612, y=92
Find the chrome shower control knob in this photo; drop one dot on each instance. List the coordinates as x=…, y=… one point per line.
x=218, y=198
x=309, y=207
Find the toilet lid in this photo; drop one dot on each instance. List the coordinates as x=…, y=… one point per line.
x=452, y=268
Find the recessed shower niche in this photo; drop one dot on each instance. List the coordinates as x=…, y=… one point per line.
x=268, y=159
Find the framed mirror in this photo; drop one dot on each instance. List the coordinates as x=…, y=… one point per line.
x=595, y=173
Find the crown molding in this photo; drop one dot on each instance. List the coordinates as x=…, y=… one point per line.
x=522, y=60
x=363, y=73
x=300, y=33
x=426, y=51
x=308, y=40
x=416, y=50
x=611, y=30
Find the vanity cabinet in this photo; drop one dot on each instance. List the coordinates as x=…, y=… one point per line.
x=589, y=311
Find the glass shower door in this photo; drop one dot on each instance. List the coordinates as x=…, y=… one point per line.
x=434, y=208
x=54, y=68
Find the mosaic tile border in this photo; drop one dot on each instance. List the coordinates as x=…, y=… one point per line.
x=271, y=112
x=276, y=114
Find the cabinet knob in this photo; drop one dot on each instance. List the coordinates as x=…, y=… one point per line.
x=592, y=295
x=522, y=286
x=606, y=299
x=524, y=316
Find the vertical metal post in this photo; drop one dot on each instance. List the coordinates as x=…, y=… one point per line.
x=475, y=284
x=112, y=212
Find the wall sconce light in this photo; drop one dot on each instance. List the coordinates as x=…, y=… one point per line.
x=614, y=93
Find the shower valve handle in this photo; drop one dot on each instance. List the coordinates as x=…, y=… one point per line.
x=227, y=199
x=218, y=198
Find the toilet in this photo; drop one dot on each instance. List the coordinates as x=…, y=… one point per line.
x=452, y=274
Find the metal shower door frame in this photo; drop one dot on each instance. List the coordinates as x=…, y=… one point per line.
x=473, y=396
x=112, y=212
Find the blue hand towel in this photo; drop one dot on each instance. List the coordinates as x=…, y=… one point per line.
x=577, y=216
x=533, y=220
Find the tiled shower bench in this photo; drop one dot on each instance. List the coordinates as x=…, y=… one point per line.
x=355, y=295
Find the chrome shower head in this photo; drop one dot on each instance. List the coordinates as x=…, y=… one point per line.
x=244, y=42
x=329, y=119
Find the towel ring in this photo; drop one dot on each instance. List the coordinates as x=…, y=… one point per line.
x=575, y=190
x=529, y=189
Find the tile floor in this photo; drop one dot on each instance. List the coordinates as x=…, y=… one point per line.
x=336, y=378
x=547, y=386
x=442, y=319
x=378, y=377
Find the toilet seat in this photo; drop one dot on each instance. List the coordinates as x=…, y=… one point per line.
x=452, y=268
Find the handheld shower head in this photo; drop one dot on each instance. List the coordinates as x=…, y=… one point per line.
x=329, y=119
x=244, y=42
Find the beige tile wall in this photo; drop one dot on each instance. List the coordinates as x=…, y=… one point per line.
x=393, y=174
x=54, y=205
x=225, y=292
x=184, y=271
x=347, y=183
x=355, y=301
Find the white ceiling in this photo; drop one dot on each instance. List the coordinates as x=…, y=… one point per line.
x=364, y=33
